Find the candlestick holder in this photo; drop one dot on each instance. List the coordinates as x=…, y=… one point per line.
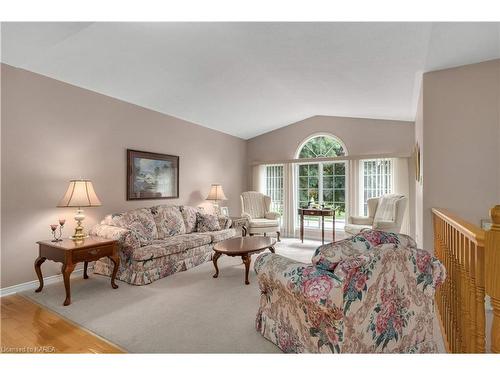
x=53, y=227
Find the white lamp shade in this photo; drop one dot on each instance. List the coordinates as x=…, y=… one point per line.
x=216, y=193
x=80, y=193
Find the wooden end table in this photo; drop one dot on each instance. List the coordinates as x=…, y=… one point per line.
x=317, y=212
x=69, y=253
x=243, y=247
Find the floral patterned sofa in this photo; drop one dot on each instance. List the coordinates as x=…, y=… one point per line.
x=371, y=293
x=159, y=241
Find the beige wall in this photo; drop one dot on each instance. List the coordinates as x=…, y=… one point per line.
x=461, y=139
x=361, y=136
x=52, y=132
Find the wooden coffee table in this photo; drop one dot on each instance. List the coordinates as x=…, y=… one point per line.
x=243, y=247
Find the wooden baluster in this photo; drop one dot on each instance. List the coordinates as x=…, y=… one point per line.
x=492, y=274
x=469, y=332
x=453, y=297
x=463, y=315
x=451, y=328
x=472, y=294
x=480, y=293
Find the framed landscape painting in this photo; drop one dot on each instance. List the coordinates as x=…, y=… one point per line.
x=152, y=176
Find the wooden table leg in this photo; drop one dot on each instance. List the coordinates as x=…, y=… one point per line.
x=322, y=230
x=246, y=261
x=38, y=270
x=66, y=271
x=302, y=227
x=333, y=226
x=244, y=230
x=85, y=265
x=271, y=249
x=116, y=261
x=214, y=259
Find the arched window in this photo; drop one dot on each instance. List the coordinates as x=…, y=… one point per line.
x=322, y=183
x=321, y=146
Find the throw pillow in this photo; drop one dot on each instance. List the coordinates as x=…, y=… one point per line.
x=207, y=222
x=189, y=216
x=168, y=220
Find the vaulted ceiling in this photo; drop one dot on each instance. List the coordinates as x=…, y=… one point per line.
x=246, y=79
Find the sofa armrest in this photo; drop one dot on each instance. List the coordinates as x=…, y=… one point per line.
x=272, y=215
x=314, y=284
x=360, y=220
x=225, y=222
x=128, y=241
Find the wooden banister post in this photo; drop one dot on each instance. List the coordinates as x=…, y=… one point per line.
x=492, y=274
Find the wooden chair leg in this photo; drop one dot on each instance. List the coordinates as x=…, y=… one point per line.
x=279, y=234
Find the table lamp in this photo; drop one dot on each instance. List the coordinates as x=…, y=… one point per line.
x=216, y=194
x=80, y=194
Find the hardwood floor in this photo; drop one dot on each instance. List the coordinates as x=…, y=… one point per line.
x=29, y=328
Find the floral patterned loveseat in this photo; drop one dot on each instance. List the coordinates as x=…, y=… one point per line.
x=159, y=241
x=371, y=293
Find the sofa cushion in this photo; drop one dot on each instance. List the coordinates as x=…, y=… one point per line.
x=189, y=216
x=170, y=245
x=207, y=222
x=264, y=223
x=222, y=235
x=168, y=220
x=140, y=221
x=328, y=256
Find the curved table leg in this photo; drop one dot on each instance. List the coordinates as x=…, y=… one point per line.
x=214, y=259
x=38, y=270
x=66, y=271
x=246, y=261
x=116, y=261
x=85, y=265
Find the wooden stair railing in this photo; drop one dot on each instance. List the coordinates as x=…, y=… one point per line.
x=471, y=256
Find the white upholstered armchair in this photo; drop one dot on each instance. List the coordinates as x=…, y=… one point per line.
x=255, y=207
x=384, y=213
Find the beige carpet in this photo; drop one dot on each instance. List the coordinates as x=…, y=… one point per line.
x=189, y=312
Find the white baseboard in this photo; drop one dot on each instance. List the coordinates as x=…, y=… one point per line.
x=35, y=283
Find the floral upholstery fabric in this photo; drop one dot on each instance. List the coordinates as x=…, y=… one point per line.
x=128, y=240
x=222, y=235
x=380, y=301
x=171, y=245
x=225, y=222
x=151, y=249
x=169, y=221
x=146, y=272
x=189, y=216
x=207, y=222
x=140, y=221
x=329, y=255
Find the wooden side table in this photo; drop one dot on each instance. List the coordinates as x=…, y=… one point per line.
x=317, y=212
x=240, y=222
x=69, y=253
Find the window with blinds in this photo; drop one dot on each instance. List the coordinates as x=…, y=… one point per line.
x=376, y=180
x=274, y=187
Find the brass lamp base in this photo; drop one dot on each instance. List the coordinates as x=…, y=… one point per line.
x=79, y=234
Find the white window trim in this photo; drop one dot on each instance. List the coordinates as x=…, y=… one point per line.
x=320, y=134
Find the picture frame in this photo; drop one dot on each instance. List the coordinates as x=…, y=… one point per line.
x=152, y=175
x=224, y=211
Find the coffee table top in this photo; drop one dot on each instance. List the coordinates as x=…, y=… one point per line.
x=244, y=245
